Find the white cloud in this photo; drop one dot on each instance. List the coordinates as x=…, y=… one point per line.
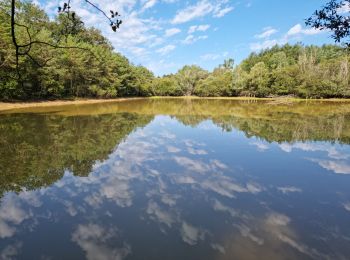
x=267, y=32
x=172, y=31
x=298, y=30
x=166, y=49
x=190, y=39
x=149, y=4
x=265, y=44
x=222, y=12
x=202, y=8
x=345, y=9
x=210, y=56
x=199, y=28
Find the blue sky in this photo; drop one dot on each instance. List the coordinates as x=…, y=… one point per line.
x=165, y=35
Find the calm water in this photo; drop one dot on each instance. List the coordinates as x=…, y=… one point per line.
x=176, y=179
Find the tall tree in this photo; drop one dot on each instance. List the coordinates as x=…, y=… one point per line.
x=189, y=76
x=24, y=49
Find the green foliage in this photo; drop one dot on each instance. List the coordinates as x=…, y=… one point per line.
x=307, y=72
x=59, y=144
x=188, y=77
x=90, y=69
x=183, y=83
x=216, y=85
x=166, y=86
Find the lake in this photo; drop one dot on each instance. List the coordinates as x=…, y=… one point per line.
x=176, y=179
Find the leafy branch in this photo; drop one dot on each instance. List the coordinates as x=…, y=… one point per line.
x=335, y=17
x=25, y=49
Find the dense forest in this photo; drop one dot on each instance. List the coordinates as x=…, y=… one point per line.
x=86, y=65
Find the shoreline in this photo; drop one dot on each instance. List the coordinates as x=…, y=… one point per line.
x=60, y=102
x=48, y=103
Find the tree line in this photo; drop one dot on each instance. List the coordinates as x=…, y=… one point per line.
x=93, y=69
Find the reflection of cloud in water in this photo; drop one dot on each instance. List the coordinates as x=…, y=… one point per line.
x=114, y=176
x=289, y=189
x=226, y=186
x=11, y=251
x=276, y=219
x=72, y=209
x=191, y=143
x=195, y=165
x=279, y=226
x=196, y=151
x=169, y=200
x=347, y=206
x=254, y=188
x=273, y=238
x=261, y=147
x=12, y=214
x=309, y=147
x=173, y=149
x=218, y=247
x=219, y=165
x=191, y=165
x=191, y=234
x=118, y=190
x=93, y=239
x=184, y=179
x=335, y=161
x=167, y=135
x=246, y=232
x=139, y=160
x=160, y=215
x=339, y=167
x=218, y=206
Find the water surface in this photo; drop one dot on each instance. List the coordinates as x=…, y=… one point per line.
x=176, y=179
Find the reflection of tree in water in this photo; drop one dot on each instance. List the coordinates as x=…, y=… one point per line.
x=192, y=121
x=36, y=149
x=291, y=128
x=279, y=121
x=287, y=128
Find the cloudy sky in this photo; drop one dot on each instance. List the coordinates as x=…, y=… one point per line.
x=164, y=35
